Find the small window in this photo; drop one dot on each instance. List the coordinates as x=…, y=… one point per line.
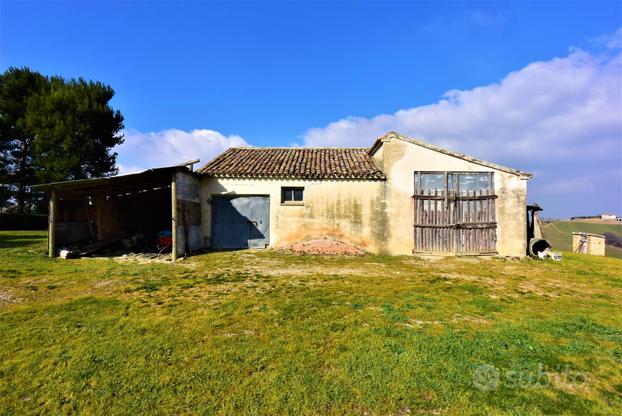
x=294, y=196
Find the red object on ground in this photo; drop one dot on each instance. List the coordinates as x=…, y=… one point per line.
x=165, y=241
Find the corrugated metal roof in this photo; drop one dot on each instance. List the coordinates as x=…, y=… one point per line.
x=119, y=183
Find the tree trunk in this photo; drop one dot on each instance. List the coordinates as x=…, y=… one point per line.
x=22, y=176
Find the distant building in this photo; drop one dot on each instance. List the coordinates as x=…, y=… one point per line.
x=588, y=243
x=608, y=216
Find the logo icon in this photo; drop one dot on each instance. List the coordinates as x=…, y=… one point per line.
x=486, y=377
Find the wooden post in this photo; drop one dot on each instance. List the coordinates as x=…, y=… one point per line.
x=174, y=215
x=99, y=210
x=51, y=224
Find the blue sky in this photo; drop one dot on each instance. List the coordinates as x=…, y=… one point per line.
x=198, y=77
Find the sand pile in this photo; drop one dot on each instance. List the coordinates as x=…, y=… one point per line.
x=325, y=246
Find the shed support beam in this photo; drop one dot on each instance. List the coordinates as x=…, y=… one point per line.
x=174, y=215
x=51, y=224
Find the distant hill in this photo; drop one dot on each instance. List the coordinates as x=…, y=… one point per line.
x=559, y=234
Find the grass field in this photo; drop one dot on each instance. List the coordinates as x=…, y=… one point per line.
x=559, y=233
x=261, y=332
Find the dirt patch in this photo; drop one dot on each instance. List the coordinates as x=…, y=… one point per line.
x=431, y=258
x=539, y=290
x=412, y=322
x=457, y=318
x=102, y=283
x=312, y=271
x=567, y=381
x=325, y=246
x=7, y=298
x=495, y=283
x=143, y=258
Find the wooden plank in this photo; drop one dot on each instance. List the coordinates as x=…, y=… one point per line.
x=468, y=219
x=419, y=215
x=422, y=219
x=416, y=217
x=445, y=203
x=456, y=197
x=174, y=216
x=435, y=222
x=458, y=215
x=424, y=213
x=428, y=218
x=460, y=226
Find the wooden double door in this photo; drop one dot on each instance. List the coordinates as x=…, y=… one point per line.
x=454, y=212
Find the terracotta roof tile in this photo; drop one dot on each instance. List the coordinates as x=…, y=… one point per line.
x=300, y=163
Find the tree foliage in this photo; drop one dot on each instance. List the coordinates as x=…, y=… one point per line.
x=614, y=240
x=53, y=129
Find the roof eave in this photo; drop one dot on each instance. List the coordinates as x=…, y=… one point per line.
x=380, y=177
x=76, y=182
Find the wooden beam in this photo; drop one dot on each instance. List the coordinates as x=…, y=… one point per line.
x=51, y=224
x=456, y=198
x=174, y=215
x=460, y=225
x=99, y=212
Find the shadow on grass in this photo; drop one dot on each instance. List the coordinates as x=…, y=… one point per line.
x=10, y=240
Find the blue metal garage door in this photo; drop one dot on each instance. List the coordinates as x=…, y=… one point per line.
x=240, y=222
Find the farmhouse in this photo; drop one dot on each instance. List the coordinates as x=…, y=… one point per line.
x=399, y=196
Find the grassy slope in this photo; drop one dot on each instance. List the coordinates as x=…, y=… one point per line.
x=267, y=333
x=559, y=233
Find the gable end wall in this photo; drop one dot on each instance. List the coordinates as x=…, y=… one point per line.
x=402, y=159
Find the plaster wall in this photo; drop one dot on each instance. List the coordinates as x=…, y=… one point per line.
x=347, y=210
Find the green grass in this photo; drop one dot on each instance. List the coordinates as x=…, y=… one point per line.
x=261, y=332
x=559, y=233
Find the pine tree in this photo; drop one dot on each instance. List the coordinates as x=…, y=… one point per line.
x=17, y=89
x=52, y=129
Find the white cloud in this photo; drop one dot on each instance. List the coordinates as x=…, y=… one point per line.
x=125, y=170
x=558, y=106
x=143, y=150
x=610, y=41
x=558, y=118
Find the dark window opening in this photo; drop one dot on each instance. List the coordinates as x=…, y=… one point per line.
x=292, y=195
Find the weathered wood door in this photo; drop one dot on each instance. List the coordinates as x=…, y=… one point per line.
x=454, y=212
